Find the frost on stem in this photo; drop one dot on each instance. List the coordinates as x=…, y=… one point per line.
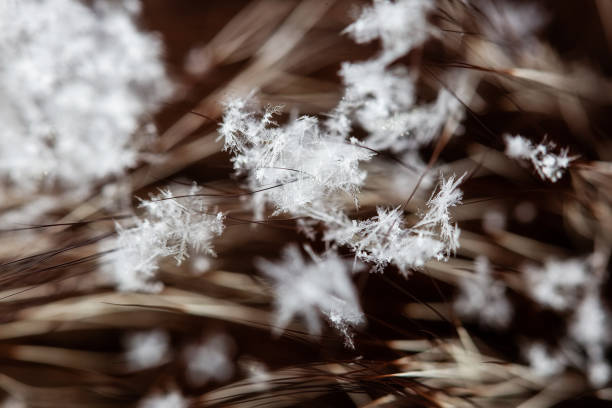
x=309, y=288
x=385, y=239
x=548, y=165
x=306, y=167
x=301, y=167
x=303, y=161
x=73, y=97
x=483, y=297
x=169, y=227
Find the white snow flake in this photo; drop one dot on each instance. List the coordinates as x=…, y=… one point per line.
x=311, y=288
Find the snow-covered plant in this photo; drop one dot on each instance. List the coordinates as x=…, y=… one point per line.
x=169, y=227
x=547, y=164
x=311, y=288
x=133, y=262
x=483, y=298
x=146, y=349
x=558, y=283
x=76, y=83
x=385, y=239
x=302, y=161
x=299, y=168
x=210, y=360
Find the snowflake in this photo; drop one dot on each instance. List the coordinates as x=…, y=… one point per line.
x=311, y=288
x=169, y=227
x=548, y=165
x=210, y=360
x=385, y=239
x=76, y=91
x=483, y=297
x=301, y=162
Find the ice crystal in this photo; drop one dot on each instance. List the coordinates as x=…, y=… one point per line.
x=169, y=227
x=79, y=81
x=383, y=101
x=376, y=91
x=400, y=25
x=414, y=126
x=301, y=161
x=548, y=165
x=438, y=212
x=385, y=239
x=311, y=288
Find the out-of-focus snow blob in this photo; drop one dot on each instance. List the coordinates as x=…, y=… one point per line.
x=484, y=298
x=309, y=289
x=146, y=349
x=210, y=360
x=171, y=399
x=558, y=283
x=74, y=95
